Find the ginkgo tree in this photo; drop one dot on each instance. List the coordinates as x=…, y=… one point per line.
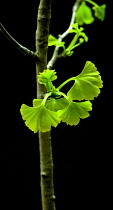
x=53, y=106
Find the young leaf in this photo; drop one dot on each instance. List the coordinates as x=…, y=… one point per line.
x=47, y=76
x=39, y=118
x=79, y=31
x=56, y=104
x=100, y=11
x=76, y=28
x=52, y=41
x=84, y=36
x=87, y=84
x=37, y=102
x=78, y=39
x=72, y=114
x=84, y=14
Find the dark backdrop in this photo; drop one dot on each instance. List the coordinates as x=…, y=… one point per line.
x=80, y=153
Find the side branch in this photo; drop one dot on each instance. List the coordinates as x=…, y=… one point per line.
x=62, y=36
x=20, y=47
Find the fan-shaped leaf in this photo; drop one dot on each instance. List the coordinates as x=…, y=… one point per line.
x=87, y=84
x=84, y=14
x=100, y=11
x=56, y=104
x=37, y=102
x=52, y=41
x=39, y=118
x=72, y=114
x=47, y=76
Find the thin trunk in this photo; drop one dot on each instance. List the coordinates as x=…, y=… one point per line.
x=46, y=165
x=46, y=160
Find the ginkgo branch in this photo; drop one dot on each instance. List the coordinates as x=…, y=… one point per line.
x=61, y=37
x=20, y=47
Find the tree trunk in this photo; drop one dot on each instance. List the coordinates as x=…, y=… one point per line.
x=46, y=167
x=46, y=160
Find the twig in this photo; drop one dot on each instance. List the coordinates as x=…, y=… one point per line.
x=20, y=47
x=61, y=37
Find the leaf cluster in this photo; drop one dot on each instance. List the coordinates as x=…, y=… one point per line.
x=84, y=15
x=58, y=106
x=77, y=40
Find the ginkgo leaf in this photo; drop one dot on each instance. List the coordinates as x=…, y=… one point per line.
x=47, y=76
x=78, y=31
x=76, y=28
x=87, y=84
x=37, y=102
x=52, y=41
x=84, y=14
x=75, y=110
x=52, y=103
x=84, y=36
x=56, y=104
x=39, y=118
x=100, y=11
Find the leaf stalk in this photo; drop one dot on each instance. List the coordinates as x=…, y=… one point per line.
x=91, y=2
x=66, y=81
x=73, y=42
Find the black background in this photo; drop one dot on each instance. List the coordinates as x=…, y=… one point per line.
x=81, y=171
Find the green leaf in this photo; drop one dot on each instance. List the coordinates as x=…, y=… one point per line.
x=78, y=39
x=100, y=11
x=81, y=40
x=39, y=118
x=52, y=103
x=56, y=104
x=52, y=41
x=47, y=76
x=87, y=84
x=84, y=36
x=79, y=31
x=76, y=28
x=75, y=110
x=68, y=52
x=84, y=14
x=37, y=102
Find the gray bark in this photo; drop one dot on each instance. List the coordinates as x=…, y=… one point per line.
x=46, y=160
